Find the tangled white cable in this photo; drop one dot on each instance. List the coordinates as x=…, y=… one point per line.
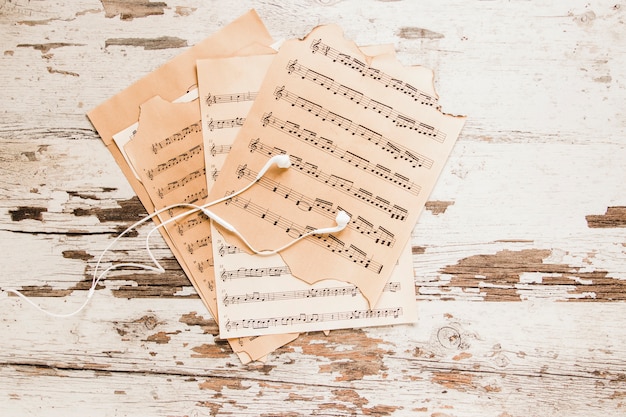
x=282, y=161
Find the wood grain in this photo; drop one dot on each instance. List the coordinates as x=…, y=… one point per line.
x=519, y=256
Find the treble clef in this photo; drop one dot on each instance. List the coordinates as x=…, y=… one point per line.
x=226, y=300
x=254, y=144
x=210, y=99
x=266, y=118
x=222, y=250
x=291, y=67
x=315, y=46
x=279, y=92
x=212, y=149
x=241, y=171
x=211, y=125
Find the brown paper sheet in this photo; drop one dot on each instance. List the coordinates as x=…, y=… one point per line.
x=256, y=295
x=364, y=135
x=171, y=81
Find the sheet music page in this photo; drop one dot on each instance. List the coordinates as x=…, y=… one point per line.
x=168, y=155
x=227, y=89
x=173, y=80
x=258, y=295
x=364, y=135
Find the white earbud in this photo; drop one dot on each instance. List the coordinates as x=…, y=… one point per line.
x=282, y=161
x=342, y=220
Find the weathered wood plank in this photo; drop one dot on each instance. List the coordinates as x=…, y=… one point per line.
x=529, y=209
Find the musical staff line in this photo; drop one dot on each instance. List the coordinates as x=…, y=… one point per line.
x=226, y=123
x=172, y=162
x=326, y=241
x=308, y=136
x=341, y=184
x=177, y=137
x=211, y=99
x=201, y=194
x=202, y=265
x=174, y=185
x=259, y=297
x=317, y=46
x=219, y=149
x=263, y=323
x=241, y=273
x=357, y=129
x=323, y=207
x=229, y=250
x=328, y=146
x=199, y=243
x=189, y=223
x=400, y=119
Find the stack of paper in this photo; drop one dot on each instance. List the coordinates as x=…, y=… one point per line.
x=364, y=134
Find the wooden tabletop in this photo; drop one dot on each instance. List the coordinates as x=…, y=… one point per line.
x=519, y=257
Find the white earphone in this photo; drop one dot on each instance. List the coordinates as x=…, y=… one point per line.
x=282, y=161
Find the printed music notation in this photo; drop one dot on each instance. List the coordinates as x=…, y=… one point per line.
x=225, y=124
x=207, y=263
x=228, y=250
x=348, y=157
x=344, y=185
x=340, y=291
x=174, y=185
x=198, y=243
x=219, y=149
x=396, y=212
x=315, y=317
x=211, y=99
x=308, y=136
x=389, y=82
x=194, y=197
x=177, y=137
x=328, y=242
x=172, y=162
x=324, y=207
x=369, y=231
x=243, y=272
x=347, y=124
x=399, y=119
x=191, y=222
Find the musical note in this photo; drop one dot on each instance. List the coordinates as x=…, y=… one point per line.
x=373, y=73
x=207, y=263
x=172, y=162
x=351, y=158
x=329, y=242
x=228, y=250
x=177, y=137
x=189, y=224
x=226, y=124
x=230, y=98
x=324, y=207
x=199, y=243
x=198, y=195
x=285, y=321
x=307, y=136
x=220, y=149
x=162, y=192
x=378, y=202
x=399, y=119
x=241, y=273
x=260, y=297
